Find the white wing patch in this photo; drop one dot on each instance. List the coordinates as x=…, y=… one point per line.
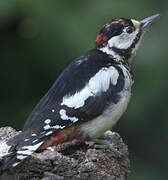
x=100, y=82
x=78, y=99
x=65, y=117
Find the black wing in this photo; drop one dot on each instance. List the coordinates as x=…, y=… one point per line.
x=72, y=80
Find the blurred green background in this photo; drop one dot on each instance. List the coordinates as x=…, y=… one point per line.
x=39, y=38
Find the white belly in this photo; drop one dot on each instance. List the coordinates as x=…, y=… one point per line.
x=108, y=119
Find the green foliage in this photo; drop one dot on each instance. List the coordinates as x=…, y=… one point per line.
x=39, y=38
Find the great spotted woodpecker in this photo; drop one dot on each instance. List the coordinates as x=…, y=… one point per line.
x=89, y=96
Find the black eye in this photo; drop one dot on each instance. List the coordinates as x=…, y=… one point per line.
x=129, y=29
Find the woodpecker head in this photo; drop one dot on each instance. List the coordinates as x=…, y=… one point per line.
x=120, y=37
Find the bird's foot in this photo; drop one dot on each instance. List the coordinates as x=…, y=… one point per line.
x=105, y=142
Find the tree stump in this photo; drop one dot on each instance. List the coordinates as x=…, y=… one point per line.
x=70, y=161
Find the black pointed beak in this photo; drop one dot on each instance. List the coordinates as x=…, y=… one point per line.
x=149, y=21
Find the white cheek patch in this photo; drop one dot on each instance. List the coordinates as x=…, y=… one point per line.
x=100, y=82
x=123, y=41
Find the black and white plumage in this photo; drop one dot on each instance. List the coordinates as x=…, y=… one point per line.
x=89, y=96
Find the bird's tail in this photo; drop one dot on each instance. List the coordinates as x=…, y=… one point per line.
x=16, y=150
x=8, y=162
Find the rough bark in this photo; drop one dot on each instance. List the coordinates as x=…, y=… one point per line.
x=73, y=160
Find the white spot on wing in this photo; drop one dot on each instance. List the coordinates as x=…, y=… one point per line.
x=58, y=127
x=46, y=127
x=35, y=140
x=53, y=110
x=48, y=133
x=34, y=134
x=25, y=152
x=28, y=150
x=65, y=117
x=47, y=121
x=32, y=147
x=26, y=140
x=21, y=157
x=100, y=82
x=15, y=164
